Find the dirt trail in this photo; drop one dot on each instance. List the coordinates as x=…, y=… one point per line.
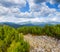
x=42, y=43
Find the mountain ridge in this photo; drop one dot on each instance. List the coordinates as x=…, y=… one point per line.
x=27, y=24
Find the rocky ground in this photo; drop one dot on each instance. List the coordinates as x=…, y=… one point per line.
x=42, y=43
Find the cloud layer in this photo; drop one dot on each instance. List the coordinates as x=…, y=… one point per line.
x=38, y=11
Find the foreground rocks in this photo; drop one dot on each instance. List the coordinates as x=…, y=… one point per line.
x=42, y=43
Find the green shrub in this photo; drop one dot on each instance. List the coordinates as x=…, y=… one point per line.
x=12, y=41
x=30, y=29
x=49, y=30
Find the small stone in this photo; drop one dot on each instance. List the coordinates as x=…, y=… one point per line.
x=43, y=43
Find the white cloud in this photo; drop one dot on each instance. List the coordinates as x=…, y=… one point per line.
x=3, y=10
x=42, y=10
x=30, y=20
x=59, y=6
x=38, y=12
x=13, y=3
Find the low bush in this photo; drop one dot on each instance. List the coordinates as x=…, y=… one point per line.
x=12, y=41
x=49, y=30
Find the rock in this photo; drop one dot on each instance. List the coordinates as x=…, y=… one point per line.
x=42, y=43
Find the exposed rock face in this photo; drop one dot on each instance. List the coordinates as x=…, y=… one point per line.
x=43, y=43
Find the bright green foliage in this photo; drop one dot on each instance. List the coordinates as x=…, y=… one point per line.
x=49, y=30
x=53, y=30
x=18, y=47
x=31, y=29
x=11, y=40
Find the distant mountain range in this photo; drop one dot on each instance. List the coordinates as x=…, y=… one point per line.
x=27, y=24
x=20, y=24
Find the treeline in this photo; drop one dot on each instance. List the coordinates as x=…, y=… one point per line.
x=49, y=30
x=11, y=40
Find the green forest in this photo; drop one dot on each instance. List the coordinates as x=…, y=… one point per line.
x=12, y=40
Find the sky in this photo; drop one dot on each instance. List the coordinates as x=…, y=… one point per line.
x=18, y=11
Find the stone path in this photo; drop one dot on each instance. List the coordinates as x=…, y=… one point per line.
x=42, y=43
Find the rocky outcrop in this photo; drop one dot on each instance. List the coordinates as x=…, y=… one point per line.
x=42, y=43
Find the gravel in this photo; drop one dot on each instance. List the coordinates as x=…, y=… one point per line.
x=42, y=43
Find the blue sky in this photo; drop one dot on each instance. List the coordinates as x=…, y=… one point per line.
x=18, y=11
x=25, y=8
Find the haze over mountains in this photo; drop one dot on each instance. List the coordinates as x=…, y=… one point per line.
x=27, y=24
